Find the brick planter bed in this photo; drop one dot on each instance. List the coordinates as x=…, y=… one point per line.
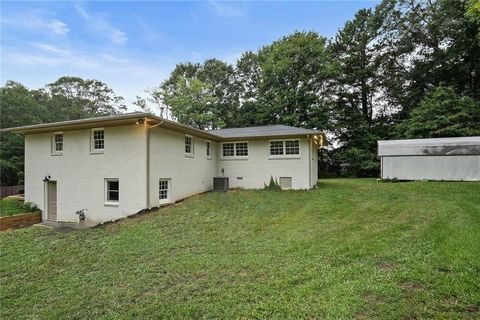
x=19, y=221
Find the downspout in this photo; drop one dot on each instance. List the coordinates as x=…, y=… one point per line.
x=147, y=179
x=309, y=161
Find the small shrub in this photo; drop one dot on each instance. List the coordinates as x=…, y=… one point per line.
x=273, y=185
x=30, y=207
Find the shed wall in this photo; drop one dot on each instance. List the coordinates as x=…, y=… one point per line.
x=453, y=168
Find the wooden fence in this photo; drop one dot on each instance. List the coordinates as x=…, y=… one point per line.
x=10, y=191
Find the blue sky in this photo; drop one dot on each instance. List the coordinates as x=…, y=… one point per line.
x=134, y=45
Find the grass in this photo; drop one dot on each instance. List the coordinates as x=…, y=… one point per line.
x=350, y=249
x=11, y=206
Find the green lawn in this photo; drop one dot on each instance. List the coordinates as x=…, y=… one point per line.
x=10, y=207
x=350, y=249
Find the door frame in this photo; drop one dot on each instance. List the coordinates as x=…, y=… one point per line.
x=47, y=199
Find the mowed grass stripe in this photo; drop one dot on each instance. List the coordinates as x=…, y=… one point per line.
x=353, y=248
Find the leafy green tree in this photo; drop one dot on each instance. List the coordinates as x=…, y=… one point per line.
x=426, y=43
x=247, y=80
x=294, y=73
x=216, y=79
x=443, y=113
x=85, y=97
x=355, y=92
x=66, y=99
x=191, y=103
x=219, y=77
x=473, y=13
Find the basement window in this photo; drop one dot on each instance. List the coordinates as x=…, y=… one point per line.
x=285, y=182
x=112, y=191
x=164, y=190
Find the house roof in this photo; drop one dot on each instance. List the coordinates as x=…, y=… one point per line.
x=277, y=130
x=134, y=117
x=430, y=147
x=110, y=121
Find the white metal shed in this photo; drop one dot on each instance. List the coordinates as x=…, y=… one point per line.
x=453, y=159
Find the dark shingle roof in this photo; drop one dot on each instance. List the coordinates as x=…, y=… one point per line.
x=262, y=131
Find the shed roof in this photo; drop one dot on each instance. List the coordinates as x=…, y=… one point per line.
x=430, y=147
x=277, y=130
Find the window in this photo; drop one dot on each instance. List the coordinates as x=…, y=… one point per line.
x=164, y=190
x=276, y=148
x=284, y=148
x=97, y=140
x=188, y=146
x=209, y=150
x=241, y=149
x=235, y=150
x=57, y=143
x=112, y=190
x=228, y=149
x=292, y=147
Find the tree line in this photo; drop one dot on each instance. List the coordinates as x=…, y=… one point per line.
x=405, y=69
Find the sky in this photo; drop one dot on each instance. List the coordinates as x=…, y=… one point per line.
x=133, y=46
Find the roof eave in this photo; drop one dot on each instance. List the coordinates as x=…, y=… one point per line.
x=277, y=136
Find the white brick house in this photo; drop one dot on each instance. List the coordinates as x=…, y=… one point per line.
x=116, y=166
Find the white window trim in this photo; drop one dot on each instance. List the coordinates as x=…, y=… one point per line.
x=53, y=150
x=285, y=155
x=169, y=191
x=106, y=202
x=209, y=156
x=234, y=157
x=192, y=147
x=92, y=143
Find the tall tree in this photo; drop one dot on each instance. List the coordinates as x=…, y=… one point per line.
x=443, y=113
x=355, y=92
x=85, y=97
x=295, y=70
x=66, y=99
x=247, y=80
x=428, y=43
x=191, y=103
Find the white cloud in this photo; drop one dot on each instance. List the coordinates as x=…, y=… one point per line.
x=44, y=63
x=34, y=20
x=98, y=22
x=50, y=48
x=226, y=10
